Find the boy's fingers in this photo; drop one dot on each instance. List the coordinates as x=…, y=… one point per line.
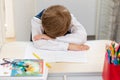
x=47, y=37
x=84, y=47
x=87, y=47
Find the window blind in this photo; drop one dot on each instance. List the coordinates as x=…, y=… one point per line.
x=109, y=20
x=105, y=19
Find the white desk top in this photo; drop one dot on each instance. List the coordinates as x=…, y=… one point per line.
x=95, y=62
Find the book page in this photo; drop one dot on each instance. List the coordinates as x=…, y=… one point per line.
x=56, y=56
x=27, y=67
x=5, y=70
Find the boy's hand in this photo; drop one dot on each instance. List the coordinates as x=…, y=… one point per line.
x=41, y=36
x=78, y=47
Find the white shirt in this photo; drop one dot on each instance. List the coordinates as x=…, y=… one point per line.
x=78, y=35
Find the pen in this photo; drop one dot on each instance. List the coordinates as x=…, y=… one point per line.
x=20, y=64
x=38, y=57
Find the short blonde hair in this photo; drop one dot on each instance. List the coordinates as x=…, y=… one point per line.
x=56, y=20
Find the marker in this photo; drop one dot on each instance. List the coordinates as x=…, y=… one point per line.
x=38, y=57
x=112, y=51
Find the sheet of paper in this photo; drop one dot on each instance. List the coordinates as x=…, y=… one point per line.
x=5, y=70
x=56, y=56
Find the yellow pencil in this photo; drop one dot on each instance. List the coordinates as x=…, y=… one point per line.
x=38, y=57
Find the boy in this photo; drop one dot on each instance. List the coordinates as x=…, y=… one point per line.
x=56, y=29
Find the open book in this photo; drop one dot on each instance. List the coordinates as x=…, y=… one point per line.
x=23, y=69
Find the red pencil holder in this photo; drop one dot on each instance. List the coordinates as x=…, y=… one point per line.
x=110, y=71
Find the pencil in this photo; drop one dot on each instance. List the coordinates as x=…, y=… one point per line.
x=38, y=57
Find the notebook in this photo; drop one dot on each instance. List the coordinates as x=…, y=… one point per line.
x=23, y=69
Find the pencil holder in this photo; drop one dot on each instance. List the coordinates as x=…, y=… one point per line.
x=110, y=71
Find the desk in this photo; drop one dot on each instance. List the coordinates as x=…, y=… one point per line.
x=68, y=71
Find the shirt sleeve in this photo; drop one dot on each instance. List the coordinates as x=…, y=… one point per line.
x=45, y=44
x=36, y=27
x=51, y=45
x=78, y=34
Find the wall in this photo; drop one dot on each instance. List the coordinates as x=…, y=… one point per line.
x=23, y=12
x=2, y=21
x=83, y=10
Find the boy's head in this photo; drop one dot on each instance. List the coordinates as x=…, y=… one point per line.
x=56, y=21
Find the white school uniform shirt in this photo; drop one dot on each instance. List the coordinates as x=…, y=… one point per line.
x=77, y=35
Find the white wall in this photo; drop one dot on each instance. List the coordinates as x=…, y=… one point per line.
x=23, y=13
x=83, y=10
x=24, y=10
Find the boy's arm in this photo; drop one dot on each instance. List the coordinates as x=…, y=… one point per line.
x=37, y=28
x=42, y=41
x=60, y=46
x=77, y=47
x=41, y=36
x=51, y=45
x=78, y=34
